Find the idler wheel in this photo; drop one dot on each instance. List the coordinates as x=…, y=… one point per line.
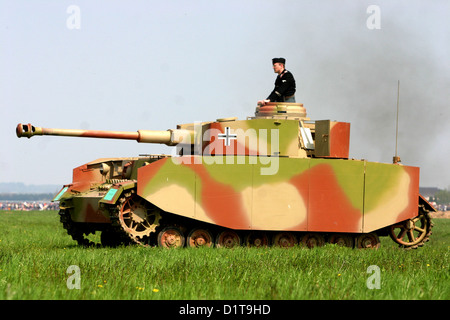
x=199, y=238
x=412, y=232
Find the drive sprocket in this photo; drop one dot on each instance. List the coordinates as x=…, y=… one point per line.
x=135, y=218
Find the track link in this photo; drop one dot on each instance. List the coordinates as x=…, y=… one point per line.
x=76, y=231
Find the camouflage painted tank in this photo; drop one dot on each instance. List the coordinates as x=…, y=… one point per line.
x=277, y=178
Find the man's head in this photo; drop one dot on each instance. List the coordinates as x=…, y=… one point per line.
x=278, y=64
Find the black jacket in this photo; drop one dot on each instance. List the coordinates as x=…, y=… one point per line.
x=284, y=87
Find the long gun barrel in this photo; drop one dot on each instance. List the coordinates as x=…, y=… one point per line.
x=169, y=137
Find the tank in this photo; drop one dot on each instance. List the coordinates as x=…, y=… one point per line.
x=276, y=178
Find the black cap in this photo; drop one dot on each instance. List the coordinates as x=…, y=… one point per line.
x=279, y=60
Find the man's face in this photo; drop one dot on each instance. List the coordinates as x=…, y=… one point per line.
x=278, y=67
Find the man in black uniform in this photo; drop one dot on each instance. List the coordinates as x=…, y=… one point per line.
x=284, y=90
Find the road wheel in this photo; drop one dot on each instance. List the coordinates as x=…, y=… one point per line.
x=367, y=241
x=312, y=240
x=171, y=237
x=228, y=239
x=256, y=239
x=284, y=240
x=199, y=238
x=342, y=239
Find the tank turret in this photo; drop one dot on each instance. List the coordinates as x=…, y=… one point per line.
x=276, y=178
x=277, y=129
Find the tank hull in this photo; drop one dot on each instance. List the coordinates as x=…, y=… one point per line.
x=319, y=195
x=230, y=200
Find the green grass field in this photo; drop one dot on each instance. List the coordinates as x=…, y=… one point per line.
x=35, y=253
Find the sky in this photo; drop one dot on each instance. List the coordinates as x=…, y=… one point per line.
x=130, y=65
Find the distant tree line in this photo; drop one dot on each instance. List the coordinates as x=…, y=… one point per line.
x=441, y=197
x=26, y=196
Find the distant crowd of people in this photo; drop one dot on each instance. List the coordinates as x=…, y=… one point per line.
x=28, y=206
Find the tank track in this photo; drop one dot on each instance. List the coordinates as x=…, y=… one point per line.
x=117, y=233
x=426, y=212
x=73, y=229
x=79, y=231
